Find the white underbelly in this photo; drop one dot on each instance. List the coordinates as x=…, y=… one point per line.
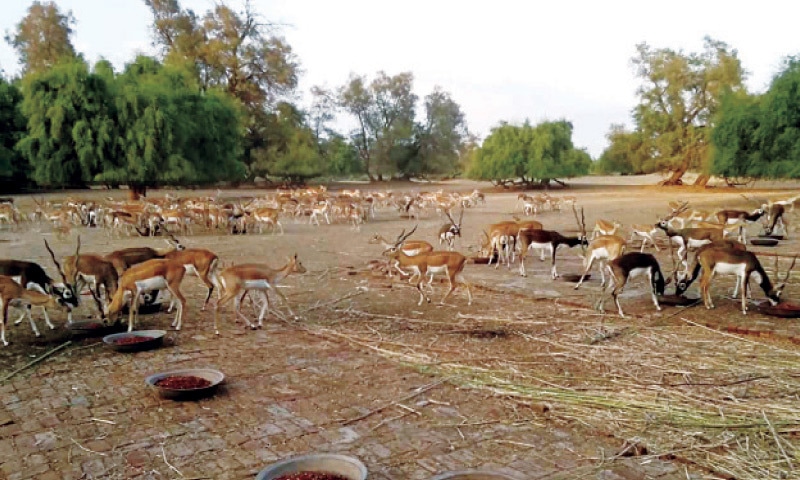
x=639, y=272
x=190, y=269
x=437, y=269
x=697, y=243
x=257, y=285
x=729, y=268
x=154, y=283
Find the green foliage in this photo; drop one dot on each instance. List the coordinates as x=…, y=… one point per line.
x=678, y=98
x=70, y=125
x=625, y=154
x=341, y=157
x=291, y=149
x=441, y=138
x=759, y=136
x=42, y=37
x=12, y=129
x=530, y=153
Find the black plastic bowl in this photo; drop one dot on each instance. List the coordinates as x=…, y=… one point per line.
x=764, y=242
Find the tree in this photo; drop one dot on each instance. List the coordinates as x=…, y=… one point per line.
x=385, y=114
x=340, y=156
x=70, y=126
x=233, y=51
x=170, y=132
x=678, y=97
x=759, y=136
x=291, y=150
x=441, y=137
x=42, y=37
x=532, y=154
x=13, y=167
x=625, y=154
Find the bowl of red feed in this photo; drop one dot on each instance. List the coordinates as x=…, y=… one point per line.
x=135, y=341
x=187, y=384
x=320, y=466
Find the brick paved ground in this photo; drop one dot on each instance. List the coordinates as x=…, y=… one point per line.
x=88, y=414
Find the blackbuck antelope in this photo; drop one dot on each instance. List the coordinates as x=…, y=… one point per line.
x=632, y=265
x=550, y=240
x=604, y=227
x=244, y=278
x=448, y=263
x=449, y=231
x=127, y=257
x=603, y=249
x=33, y=277
x=740, y=218
x=95, y=271
x=408, y=247
x=775, y=219
x=692, y=237
x=12, y=292
x=646, y=232
x=729, y=260
x=500, y=242
x=144, y=277
x=682, y=215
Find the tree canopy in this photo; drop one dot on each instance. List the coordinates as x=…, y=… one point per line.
x=759, y=136
x=530, y=154
x=42, y=37
x=679, y=96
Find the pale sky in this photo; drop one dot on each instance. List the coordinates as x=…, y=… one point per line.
x=500, y=60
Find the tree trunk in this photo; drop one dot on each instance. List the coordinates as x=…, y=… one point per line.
x=677, y=174
x=702, y=180
x=136, y=191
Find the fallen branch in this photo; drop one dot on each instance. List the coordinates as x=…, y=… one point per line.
x=417, y=392
x=171, y=466
x=86, y=449
x=335, y=301
x=34, y=362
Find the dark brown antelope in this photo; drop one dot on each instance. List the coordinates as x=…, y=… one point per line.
x=449, y=231
x=550, y=240
x=632, y=265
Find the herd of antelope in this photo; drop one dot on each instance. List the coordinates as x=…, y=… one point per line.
x=120, y=278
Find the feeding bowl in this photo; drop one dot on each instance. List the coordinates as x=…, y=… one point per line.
x=782, y=310
x=764, y=242
x=775, y=237
x=677, y=300
x=348, y=467
x=471, y=475
x=480, y=260
x=93, y=328
x=135, y=341
x=575, y=277
x=214, y=377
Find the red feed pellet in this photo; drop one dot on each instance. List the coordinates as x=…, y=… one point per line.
x=132, y=340
x=312, y=476
x=183, y=382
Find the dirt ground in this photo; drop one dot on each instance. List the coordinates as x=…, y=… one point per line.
x=529, y=380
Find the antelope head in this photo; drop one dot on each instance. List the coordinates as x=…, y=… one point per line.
x=677, y=209
x=394, y=250
x=67, y=295
x=455, y=227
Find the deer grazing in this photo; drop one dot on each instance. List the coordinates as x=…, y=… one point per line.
x=632, y=265
x=33, y=277
x=244, y=278
x=12, y=292
x=448, y=263
x=726, y=259
x=775, y=219
x=550, y=240
x=155, y=274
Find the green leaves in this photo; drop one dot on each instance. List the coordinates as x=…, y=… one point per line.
x=759, y=136
x=42, y=38
x=526, y=152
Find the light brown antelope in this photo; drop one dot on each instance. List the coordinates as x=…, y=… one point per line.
x=127, y=257
x=726, y=260
x=244, y=278
x=199, y=262
x=603, y=249
x=144, y=277
x=604, y=227
x=408, y=247
x=646, y=232
x=449, y=263
x=12, y=292
x=688, y=238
